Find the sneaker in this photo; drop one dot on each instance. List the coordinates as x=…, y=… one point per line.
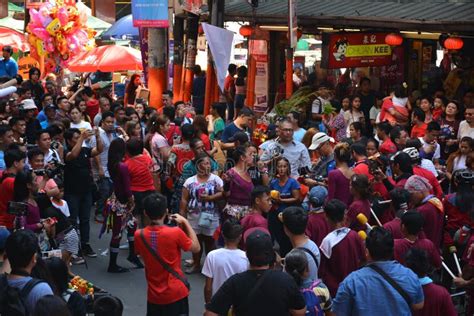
x=77, y=260
x=87, y=251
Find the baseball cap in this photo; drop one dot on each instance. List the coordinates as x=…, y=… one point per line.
x=259, y=248
x=28, y=104
x=241, y=137
x=317, y=195
x=319, y=139
x=4, y=233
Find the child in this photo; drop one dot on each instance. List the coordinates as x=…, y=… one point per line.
x=316, y=294
x=220, y=264
x=57, y=197
x=439, y=107
x=317, y=227
x=418, y=121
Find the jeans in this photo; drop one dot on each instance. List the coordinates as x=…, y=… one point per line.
x=80, y=207
x=106, y=187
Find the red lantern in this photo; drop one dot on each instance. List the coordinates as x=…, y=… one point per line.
x=246, y=30
x=200, y=29
x=453, y=43
x=393, y=39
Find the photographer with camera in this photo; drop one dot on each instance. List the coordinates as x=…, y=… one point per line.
x=78, y=180
x=319, y=172
x=51, y=156
x=286, y=147
x=15, y=162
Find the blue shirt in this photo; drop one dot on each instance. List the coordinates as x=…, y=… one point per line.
x=365, y=292
x=229, y=131
x=2, y=160
x=8, y=68
x=285, y=190
x=41, y=116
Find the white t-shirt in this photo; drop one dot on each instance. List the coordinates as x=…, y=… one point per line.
x=221, y=264
x=437, y=153
x=64, y=208
x=465, y=130
x=459, y=163
x=82, y=126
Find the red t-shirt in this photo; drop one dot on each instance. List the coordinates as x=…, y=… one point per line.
x=388, y=147
x=438, y=302
x=401, y=247
x=229, y=83
x=317, y=227
x=361, y=167
x=6, y=195
x=346, y=257
x=163, y=288
x=140, y=169
x=92, y=108
x=418, y=131
x=183, y=154
x=206, y=142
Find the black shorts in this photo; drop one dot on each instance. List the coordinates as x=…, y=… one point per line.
x=179, y=308
x=139, y=196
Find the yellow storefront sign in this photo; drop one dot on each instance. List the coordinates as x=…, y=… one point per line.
x=368, y=50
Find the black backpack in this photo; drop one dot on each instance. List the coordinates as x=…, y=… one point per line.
x=12, y=299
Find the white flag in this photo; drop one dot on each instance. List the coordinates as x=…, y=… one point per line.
x=220, y=42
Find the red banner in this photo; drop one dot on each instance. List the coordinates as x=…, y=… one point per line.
x=349, y=50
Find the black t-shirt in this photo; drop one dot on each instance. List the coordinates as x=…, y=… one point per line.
x=255, y=175
x=276, y=296
x=75, y=303
x=77, y=173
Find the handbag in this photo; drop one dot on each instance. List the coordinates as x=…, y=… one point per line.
x=205, y=219
x=160, y=260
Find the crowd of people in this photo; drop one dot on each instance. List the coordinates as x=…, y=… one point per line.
x=349, y=213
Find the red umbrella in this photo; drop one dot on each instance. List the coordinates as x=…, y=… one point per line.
x=13, y=38
x=108, y=58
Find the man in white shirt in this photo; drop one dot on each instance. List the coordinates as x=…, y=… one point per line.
x=430, y=148
x=466, y=128
x=222, y=263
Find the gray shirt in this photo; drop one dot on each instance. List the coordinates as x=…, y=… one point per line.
x=296, y=153
x=37, y=292
x=106, y=138
x=313, y=268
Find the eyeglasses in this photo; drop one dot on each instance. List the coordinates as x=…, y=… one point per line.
x=287, y=130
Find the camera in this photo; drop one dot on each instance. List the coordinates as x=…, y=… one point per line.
x=55, y=145
x=17, y=208
x=277, y=150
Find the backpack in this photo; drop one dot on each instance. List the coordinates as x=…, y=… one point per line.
x=313, y=303
x=12, y=299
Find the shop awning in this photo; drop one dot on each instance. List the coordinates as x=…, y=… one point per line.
x=422, y=15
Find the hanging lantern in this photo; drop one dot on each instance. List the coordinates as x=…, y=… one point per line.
x=246, y=30
x=393, y=39
x=200, y=29
x=453, y=43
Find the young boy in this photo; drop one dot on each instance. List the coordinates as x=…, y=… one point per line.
x=383, y=132
x=261, y=204
x=430, y=148
x=419, y=126
x=220, y=264
x=317, y=227
x=412, y=224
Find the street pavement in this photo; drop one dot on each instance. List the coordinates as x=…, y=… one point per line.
x=130, y=287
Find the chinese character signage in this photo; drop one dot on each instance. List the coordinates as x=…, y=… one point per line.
x=348, y=50
x=150, y=13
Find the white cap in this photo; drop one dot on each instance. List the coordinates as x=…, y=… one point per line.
x=318, y=139
x=28, y=104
